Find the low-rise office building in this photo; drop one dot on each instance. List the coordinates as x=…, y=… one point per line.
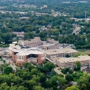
x=32, y=43
x=50, y=44
x=36, y=42
x=63, y=52
x=70, y=62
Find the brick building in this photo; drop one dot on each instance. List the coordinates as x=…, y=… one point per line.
x=20, y=56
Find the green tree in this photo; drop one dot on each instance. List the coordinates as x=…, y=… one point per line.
x=77, y=66
x=30, y=84
x=4, y=86
x=55, y=81
x=42, y=78
x=14, y=88
x=67, y=70
x=38, y=88
x=49, y=66
x=8, y=70
x=72, y=88
x=84, y=82
x=69, y=77
x=22, y=88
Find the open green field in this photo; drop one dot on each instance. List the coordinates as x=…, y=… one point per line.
x=82, y=52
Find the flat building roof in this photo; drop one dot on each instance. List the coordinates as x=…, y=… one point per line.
x=62, y=50
x=73, y=59
x=28, y=51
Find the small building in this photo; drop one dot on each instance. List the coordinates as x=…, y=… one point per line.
x=24, y=18
x=50, y=44
x=19, y=34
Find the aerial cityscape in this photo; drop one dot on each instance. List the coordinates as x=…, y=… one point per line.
x=44, y=45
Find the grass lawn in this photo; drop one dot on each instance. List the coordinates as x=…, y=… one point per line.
x=82, y=52
x=79, y=53
x=85, y=51
x=4, y=45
